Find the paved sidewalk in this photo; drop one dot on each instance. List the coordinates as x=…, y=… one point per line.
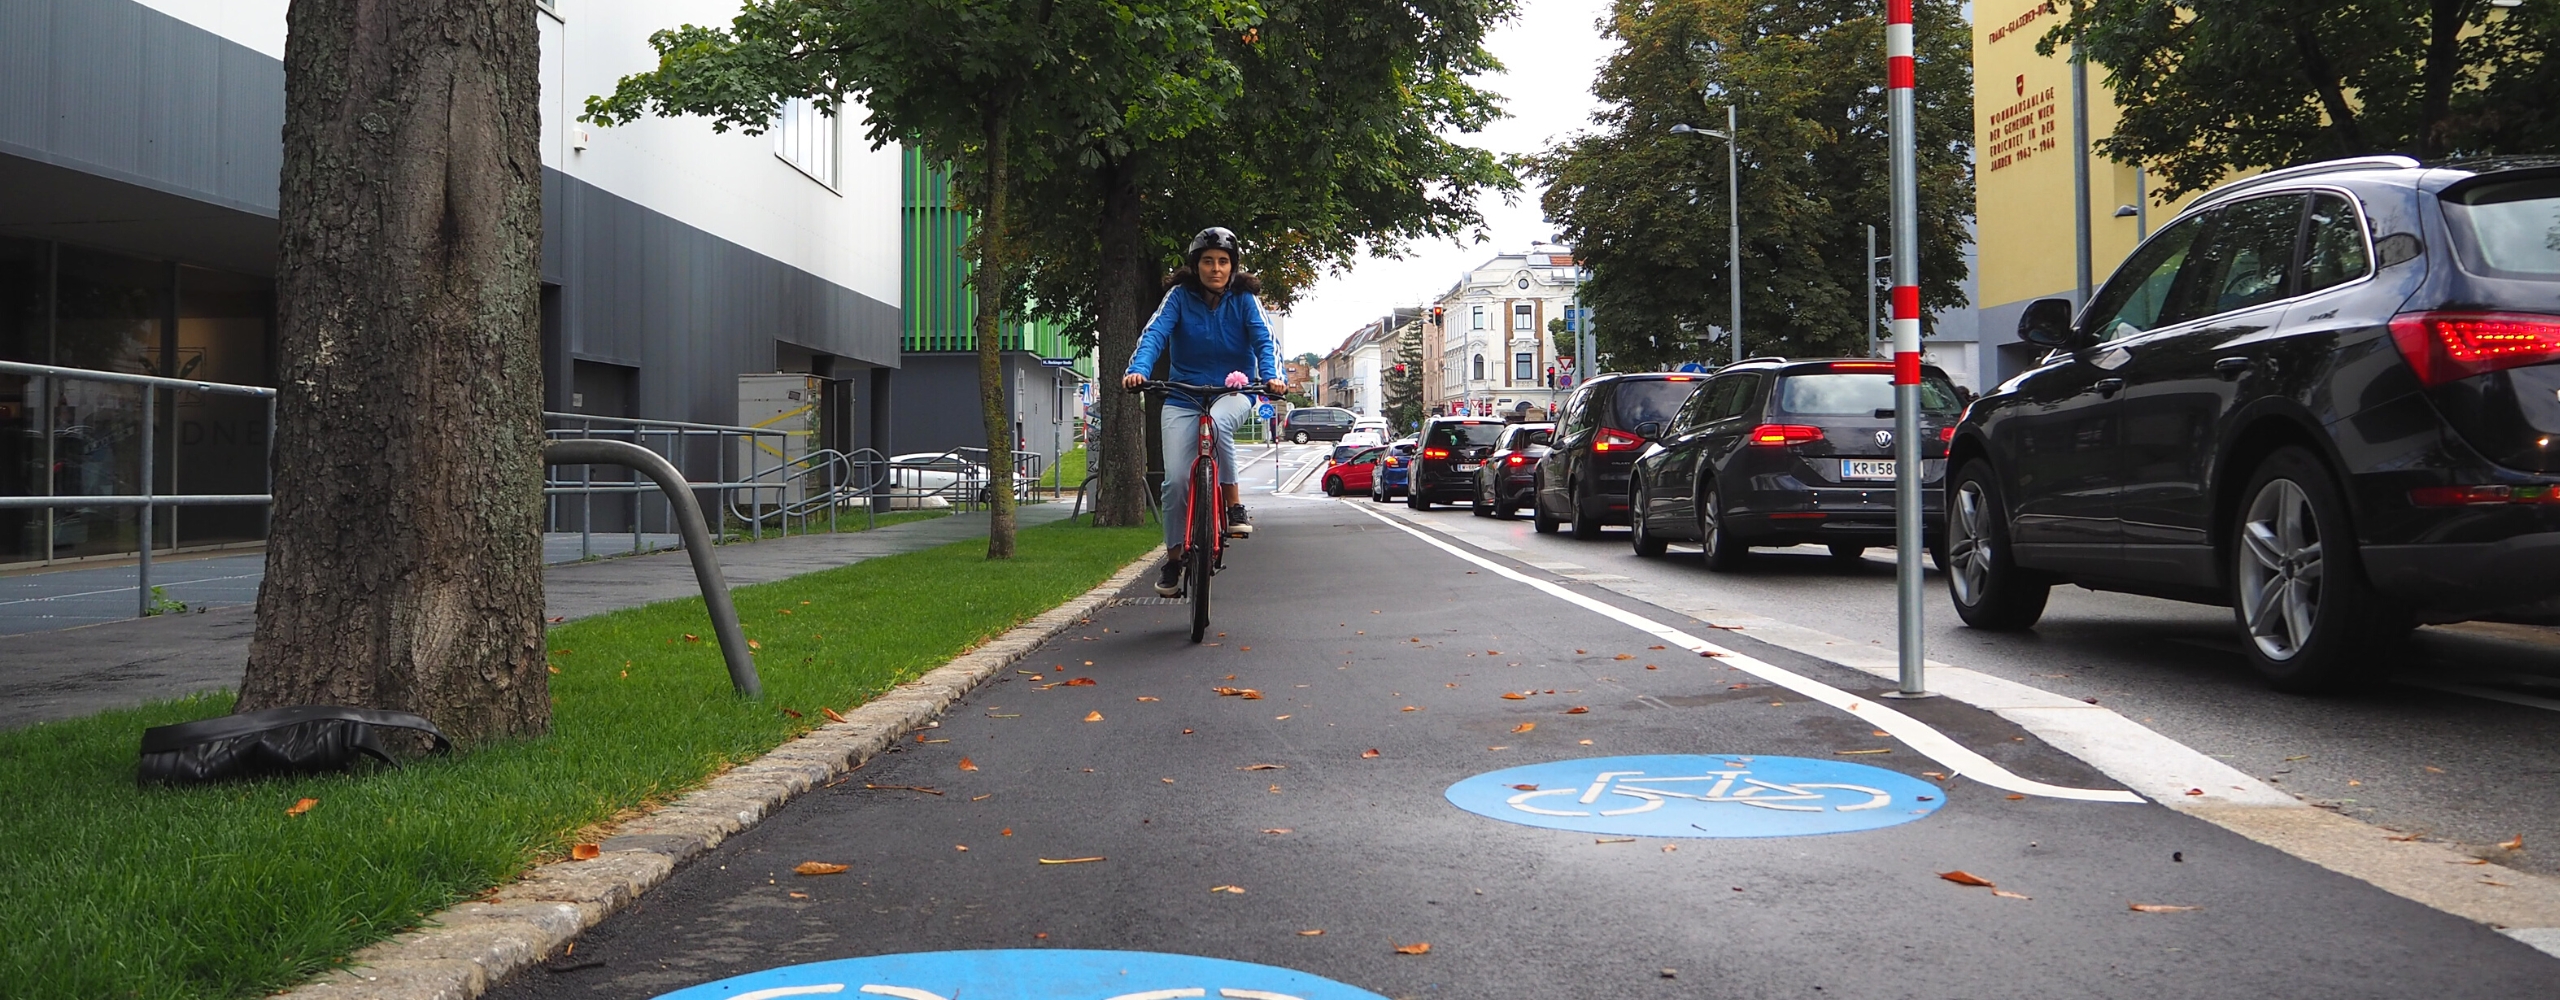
x=69, y=672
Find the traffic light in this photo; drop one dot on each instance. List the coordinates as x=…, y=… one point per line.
x=1439, y=316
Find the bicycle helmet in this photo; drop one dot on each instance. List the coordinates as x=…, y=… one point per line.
x=1212, y=238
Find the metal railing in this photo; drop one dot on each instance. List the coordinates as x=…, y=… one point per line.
x=146, y=502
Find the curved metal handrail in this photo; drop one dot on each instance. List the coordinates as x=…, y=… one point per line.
x=697, y=541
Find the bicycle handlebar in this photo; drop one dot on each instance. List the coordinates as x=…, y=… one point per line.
x=1200, y=391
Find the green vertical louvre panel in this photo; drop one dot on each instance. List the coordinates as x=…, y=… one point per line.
x=941, y=307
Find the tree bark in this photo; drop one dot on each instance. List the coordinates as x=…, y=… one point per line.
x=2333, y=96
x=1125, y=275
x=2435, y=99
x=404, y=566
x=990, y=281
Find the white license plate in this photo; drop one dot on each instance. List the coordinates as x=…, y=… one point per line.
x=1469, y=468
x=1866, y=468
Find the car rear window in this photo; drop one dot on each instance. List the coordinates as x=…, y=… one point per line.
x=2508, y=230
x=1640, y=400
x=1859, y=394
x=1469, y=435
x=1533, y=437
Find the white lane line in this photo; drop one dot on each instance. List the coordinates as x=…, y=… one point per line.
x=128, y=590
x=1912, y=732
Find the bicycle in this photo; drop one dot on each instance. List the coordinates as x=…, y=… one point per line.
x=1203, y=517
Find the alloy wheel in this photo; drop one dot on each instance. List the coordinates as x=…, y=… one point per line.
x=1968, y=547
x=2280, y=569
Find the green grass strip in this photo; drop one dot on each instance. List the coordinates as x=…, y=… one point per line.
x=112, y=891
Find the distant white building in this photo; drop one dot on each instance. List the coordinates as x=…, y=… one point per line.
x=1493, y=352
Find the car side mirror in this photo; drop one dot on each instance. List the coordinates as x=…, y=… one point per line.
x=1649, y=429
x=2047, y=323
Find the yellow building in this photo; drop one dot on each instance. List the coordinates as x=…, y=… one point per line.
x=2026, y=241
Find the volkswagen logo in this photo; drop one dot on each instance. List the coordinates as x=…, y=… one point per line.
x=1884, y=439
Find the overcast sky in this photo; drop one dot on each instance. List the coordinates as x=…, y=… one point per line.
x=1550, y=53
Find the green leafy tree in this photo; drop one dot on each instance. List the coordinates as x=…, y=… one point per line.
x=1010, y=92
x=1645, y=208
x=2209, y=87
x=1402, y=381
x=1346, y=142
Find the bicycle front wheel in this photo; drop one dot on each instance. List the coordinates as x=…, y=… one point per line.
x=1203, y=554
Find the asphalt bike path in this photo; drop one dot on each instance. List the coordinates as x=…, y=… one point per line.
x=1636, y=822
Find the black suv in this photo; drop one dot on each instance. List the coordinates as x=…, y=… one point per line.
x=1316, y=423
x=2324, y=396
x=1453, y=448
x=1775, y=452
x=1598, y=435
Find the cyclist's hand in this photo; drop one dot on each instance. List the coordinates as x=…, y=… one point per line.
x=1278, y=387
x=1132, y=381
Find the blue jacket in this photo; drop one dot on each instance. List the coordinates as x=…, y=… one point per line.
x=1203, y=343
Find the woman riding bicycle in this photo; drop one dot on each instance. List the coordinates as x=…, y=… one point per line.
x=1209, y=324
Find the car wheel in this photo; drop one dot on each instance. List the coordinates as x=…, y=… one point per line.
x=1850, y=554
x=1539, y=519
x=1415, y=499
x=1503, y=508
x=1990, y=590
x=1480, y=506
x=1376, y=495
x=1586, y=525
x=1333, y=486
x=2298, y=586
x=1724, y=552
x=1299, y=437
x=1648, y=544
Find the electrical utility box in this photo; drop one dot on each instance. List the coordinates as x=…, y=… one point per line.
x=789, y=402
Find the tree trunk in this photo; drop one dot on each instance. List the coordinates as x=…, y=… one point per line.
x=990, y=281
x=2445, y=19
x=1125, y=275
x=404, y=566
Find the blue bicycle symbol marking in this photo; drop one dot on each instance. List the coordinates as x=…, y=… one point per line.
x=1684, y=795
x=1026, y=974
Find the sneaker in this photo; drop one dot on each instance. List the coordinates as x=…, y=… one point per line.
x=1169, y=579
x=1238, y=525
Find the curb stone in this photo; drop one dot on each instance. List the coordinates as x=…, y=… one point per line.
x=465, y=950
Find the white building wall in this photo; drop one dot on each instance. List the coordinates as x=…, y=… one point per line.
x=731, y=185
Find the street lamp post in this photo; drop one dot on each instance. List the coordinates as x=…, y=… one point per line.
x=1733, y=213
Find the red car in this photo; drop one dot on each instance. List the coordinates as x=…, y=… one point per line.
x=1351, y=473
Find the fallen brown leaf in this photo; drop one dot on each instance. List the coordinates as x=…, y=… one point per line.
x=2195, y=791
x=584, y=852
x=1416, y=948
x=2160, y=908
x=1093, y=716
x=1280, y=830
x=1963, y=877
x=1264, y=767
x=792, y=713
x=1524, y=727
x=1082, y=682
x=1368, y=754
x=798, y=895
x=1577, y=710
x=690, y=637
x=906, y=788
x=1409, y=708
x=1514, y=696
x=2013, y=796
x=832, y=714
x=1524, y=788
x=960, y=847
x=1233, y=889
x=557, y=620
x=1068, y=861
x=2006, y=894
x=968, y=765
x=2406, y=839
x=1312, y=932
x=819, y=868
x=1613, y=840
x=2515, y=843
x=1493, y=652
x=752, y=644
x=300, y=806
x=1624, y=656
x=1149, y=697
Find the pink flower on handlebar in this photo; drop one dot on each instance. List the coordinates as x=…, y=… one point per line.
x=1238, y=380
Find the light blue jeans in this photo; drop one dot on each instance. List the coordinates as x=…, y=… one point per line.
x=1181, y=428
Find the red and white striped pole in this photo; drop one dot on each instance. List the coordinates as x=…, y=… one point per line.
x=1908, y=533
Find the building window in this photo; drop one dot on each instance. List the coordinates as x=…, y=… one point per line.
x=1479, y=317
x=1521, y=317
x=1524, y=367
x=805, y=137
x=1479, y=368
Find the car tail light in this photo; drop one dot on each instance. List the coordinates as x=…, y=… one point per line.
x=1518, y=460
x=1391, y=461
x=1946, y=434
x=1435, y=452
x=1613, y=439
x=2448, y=346
x=2482, y=496
x=1783, y=435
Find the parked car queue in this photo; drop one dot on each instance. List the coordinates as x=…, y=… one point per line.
x=2324, y=396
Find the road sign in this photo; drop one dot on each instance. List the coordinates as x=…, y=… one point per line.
x=1694, y=368
x=1026, y=974
x=1058, y=362
x=1685, y=795
x=1266, y=411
